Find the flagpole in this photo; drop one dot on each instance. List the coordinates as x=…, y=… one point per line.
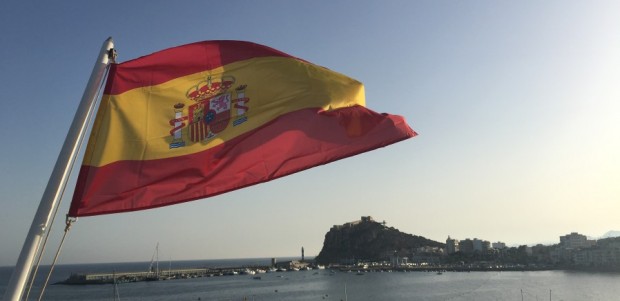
x=58, y=179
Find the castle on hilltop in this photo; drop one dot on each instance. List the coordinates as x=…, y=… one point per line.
x=363, y=219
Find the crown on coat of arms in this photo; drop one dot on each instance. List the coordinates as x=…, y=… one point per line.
x=210, y=87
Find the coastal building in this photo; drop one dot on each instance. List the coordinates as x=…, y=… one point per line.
x=452, y=245
x=366, y=219
x=499, y=245
x=363, y=219
x=466, y=246
x=576, y=241
x=597, y=257
x=398, y=261
x=293, y=264
x=561, y=255
x=429, y=250
x=480, y=245
x=569, y=251
x=606, y=254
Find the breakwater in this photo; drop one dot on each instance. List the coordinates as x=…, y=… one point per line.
x=124, y=277
x=186, y=273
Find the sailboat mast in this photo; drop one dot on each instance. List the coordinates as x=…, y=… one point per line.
x=157, y=258
x=58, y=179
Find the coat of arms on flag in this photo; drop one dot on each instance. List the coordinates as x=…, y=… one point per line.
x=211, y=110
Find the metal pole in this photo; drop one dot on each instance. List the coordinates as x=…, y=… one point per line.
x=58, y=179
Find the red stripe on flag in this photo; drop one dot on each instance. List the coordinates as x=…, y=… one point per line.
x=168, y=64
x=289, y=144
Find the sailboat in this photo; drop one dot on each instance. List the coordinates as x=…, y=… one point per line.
x=117, y=296
x=153, y=272
x=169, y=275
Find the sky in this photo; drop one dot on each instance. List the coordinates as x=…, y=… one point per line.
x=516, y=103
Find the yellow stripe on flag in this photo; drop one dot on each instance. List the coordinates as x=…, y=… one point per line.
x=135, y=125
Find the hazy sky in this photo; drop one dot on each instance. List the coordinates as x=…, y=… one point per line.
x=517, y=104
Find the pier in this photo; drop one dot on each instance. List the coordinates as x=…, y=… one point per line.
x=123, y=277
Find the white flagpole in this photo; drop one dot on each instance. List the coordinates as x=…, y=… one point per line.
x=58, y=179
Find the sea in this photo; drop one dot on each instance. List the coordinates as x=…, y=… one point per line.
x=328, y=284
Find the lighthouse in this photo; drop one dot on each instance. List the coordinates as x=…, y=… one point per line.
x=302, y=254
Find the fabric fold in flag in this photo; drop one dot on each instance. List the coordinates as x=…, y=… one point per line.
x=202, y=119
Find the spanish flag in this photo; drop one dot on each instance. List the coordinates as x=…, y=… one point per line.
x=206, y=118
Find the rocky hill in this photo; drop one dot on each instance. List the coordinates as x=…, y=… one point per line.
x=368, y=240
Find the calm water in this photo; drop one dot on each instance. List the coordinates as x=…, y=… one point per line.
x=321, y=285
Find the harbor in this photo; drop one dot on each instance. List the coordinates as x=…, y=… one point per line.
x=330, y=283
x=188, y=273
